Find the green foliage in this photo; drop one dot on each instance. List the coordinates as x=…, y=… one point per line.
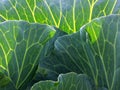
x=20, y=48
x=68, y=15
x=70, y=81
x=74, y=40
x=99, y=59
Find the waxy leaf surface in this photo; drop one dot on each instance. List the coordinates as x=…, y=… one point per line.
x=21, y=44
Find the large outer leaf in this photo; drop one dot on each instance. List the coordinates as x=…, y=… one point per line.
x=70, y=81
x=20, y=48
x=93, y=50
x=68, y=15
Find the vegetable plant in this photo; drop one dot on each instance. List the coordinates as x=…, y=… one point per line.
x=59, y=45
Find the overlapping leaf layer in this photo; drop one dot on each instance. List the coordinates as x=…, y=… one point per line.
x=92, y=51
